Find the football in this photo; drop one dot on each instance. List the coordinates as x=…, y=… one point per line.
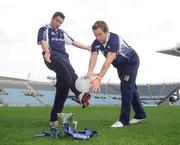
x=82, y=84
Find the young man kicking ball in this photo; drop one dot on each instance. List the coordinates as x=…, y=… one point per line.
x=53, y=40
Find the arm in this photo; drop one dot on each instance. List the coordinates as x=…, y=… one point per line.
x=69, y=40
x=109, y=59
x=45, y=49
x=96, y=82
x=92, y=64
x=42, y=40
x=44, y=45
x=82, y=46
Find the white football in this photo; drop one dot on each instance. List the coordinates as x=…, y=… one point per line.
x=82, y=84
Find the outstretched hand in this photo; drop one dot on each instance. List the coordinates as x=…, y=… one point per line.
x=95, y=85
x=91, y=75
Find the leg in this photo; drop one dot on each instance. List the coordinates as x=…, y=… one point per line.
x=62, y=90
x=127, y=89
x=127, y=73
x=126, y=93
x=61, y=65
x=137, y=106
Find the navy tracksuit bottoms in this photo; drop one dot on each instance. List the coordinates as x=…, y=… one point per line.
x=127, y=71
x=65, y=80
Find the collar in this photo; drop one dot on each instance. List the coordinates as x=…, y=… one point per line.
x=107, y=39
x=49, y=26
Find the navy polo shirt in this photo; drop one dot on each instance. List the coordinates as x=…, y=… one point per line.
x=56, y=38
x=114, y=43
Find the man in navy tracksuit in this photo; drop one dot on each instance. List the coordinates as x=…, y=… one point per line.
x=126, y=61
x=53, y=40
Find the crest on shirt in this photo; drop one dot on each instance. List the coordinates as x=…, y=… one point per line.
x=97, y=46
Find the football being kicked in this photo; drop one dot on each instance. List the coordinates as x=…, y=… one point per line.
x=83, y=84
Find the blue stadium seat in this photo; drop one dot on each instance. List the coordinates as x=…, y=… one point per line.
x=16, y=96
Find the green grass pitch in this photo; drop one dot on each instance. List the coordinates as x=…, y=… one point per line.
x=162, y=127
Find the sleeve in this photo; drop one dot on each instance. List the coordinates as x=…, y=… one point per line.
x=42, y=34
x=94, y=47
x=114, y=44
x=68, y=40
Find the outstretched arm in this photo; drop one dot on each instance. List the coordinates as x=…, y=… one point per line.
x=82, y=46
x=96, y=82
x=92, y=64
x=109, y=59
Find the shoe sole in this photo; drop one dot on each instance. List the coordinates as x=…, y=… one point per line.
x=76, y=100
x=82, y=105
x=116, y=126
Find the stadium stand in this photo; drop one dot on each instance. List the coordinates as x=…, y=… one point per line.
x=16, y=96
x=175, y=51
x=20, y=92
x=173, y=97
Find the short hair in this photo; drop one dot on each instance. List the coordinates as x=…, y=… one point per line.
x=100, y=24
x=56, y=14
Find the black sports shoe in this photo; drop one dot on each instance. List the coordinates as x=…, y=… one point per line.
x=53, y=132
x=76, y=100
x=83, y=99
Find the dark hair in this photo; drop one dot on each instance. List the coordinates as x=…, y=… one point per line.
x=100, y=24
x=56, y=14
